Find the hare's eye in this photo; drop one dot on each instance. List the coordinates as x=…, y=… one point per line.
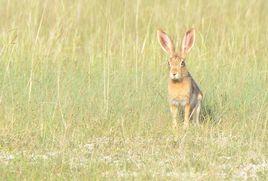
x=168, y=64
x=182, y=63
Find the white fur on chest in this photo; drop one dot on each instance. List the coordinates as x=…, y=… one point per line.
x=178, y=102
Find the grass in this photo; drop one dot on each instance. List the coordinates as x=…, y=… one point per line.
x=83, y=90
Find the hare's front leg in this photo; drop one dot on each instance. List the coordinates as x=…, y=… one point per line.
x=174, y=112
x=186, y=116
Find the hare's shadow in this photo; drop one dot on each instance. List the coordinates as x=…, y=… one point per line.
x=208, y=113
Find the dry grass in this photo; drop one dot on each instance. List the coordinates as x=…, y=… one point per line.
x=83, y=90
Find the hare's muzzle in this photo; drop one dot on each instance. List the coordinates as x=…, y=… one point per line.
x=174, y=75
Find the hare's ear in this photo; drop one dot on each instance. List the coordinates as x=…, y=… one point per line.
x=165, y=42
x=188, y=41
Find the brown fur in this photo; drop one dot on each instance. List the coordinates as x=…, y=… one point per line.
x=183, y=91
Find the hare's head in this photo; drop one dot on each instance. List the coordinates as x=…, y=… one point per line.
x=176, y=62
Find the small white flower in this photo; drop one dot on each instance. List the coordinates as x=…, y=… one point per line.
x=6, y=156
x=89, y=147
x=250, y=170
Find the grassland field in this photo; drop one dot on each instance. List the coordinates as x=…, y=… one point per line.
x=83, y=90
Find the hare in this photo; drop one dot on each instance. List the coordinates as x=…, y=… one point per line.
x=183, y=91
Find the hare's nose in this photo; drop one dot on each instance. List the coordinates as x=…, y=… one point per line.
x=174, y=74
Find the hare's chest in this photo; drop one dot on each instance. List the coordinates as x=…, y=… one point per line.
x=179, y=93
x=178, y=102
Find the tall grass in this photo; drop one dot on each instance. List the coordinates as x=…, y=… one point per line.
x=83, y=90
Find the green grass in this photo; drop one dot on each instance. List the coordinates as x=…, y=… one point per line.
x=83, y=90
